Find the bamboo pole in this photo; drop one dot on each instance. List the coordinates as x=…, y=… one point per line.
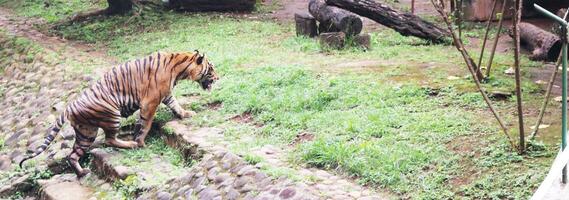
x=516, y=30
x=546, y=100
x=548, y=92
x=486, y=33
x=439, y=6
x=500, y=23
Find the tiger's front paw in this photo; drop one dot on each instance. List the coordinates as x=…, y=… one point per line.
x=186, y=114
x=140, y=142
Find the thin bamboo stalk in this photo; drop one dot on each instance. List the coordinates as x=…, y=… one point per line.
x=516, y=30
x=546, y=100
x=500, y=23
x=486, y=34
x=439, y=6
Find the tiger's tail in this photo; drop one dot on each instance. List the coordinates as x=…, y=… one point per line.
x=55, y=128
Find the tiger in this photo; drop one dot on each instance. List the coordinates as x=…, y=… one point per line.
x=141, y=84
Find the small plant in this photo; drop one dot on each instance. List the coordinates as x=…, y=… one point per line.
x=129, y=121
x=127, y=187
x=252, y=159
x=163, y=115
x=17, y=195
x=168, y=130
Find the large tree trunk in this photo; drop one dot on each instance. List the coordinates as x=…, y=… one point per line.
x=333, y=19
x=213, y=5
x=404, y=23
x=119, y=6
x=543, y=45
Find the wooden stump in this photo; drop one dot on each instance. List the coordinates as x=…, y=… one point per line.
x=363, y=40
x=333, y=19
x=332, y=40
x=213, y=5
x=305, y=25
x=542, y=44
x=119, y=6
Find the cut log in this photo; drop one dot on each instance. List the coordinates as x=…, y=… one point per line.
x=213, y=5
x=332, y=40
x=119, y=6
x=305, y=25
x=543, y=45
x=363, y=41
x=404, y=23
x=333, y=19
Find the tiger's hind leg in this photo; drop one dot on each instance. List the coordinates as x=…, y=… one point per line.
x=84, y=138
x=112, y=140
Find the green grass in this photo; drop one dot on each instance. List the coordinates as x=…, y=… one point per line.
x=388, y=136
x=390, y=125
x=155, y=147
x=52, y=10
x=252, y=159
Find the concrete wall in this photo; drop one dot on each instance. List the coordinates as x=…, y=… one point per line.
x=480, y=10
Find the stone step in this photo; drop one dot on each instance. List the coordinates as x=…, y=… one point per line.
x=220, y=174
x=64, y=187
x=224, y=175
x=68, y=187
x=141, y=174
x=328, y=185
x=321, y=184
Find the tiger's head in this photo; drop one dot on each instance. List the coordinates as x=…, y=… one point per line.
x=203, y=71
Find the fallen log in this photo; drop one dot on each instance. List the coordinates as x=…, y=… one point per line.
x=333, y=19
x=543, y=45
x=404, y=23
x=213, y=5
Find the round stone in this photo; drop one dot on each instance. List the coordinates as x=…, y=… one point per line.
x=5, y=162
x=231, y=194
x=287, y=193
x=163, y=196
x=208, y=193
x=183, y=190
x=221, y=177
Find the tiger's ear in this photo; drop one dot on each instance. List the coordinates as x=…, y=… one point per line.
x=200, y=59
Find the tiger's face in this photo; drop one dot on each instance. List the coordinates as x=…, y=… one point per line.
x=207, y=75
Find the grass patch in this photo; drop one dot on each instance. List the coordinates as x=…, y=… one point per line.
x=155, y=146
x=387, y=135
x=252, y=159
x=53, y=10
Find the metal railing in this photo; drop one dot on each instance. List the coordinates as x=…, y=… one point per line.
x=562, y=158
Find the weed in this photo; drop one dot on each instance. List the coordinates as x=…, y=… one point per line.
x=155, y=147
x=252, y=159
x=168, y=130
x=163, y=115
x=127, y=187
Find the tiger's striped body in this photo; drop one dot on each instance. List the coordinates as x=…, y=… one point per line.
x=140, y=84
